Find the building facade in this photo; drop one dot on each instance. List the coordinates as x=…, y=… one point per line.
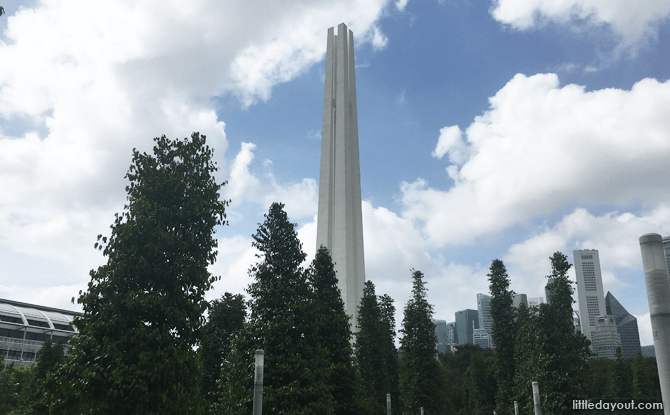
x=591, y=299
x=25, y=327
x=442, y=336
x=626, y=325
x=481, y=338
x=535, y=301
x=484, y=312
x=547, y=291
x=452, y=335
x=519, y=299
x=466, y=322
x=666, y=250
x=606, y=338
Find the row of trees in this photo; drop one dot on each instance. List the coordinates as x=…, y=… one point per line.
x=145, y=346
x=541, y=344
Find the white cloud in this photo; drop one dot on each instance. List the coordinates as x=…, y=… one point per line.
x=94, y=80
x=540, y=147
x=401, y=4
x=451, y=142
x=615, y=236
x=301, y=198
x=632, y=22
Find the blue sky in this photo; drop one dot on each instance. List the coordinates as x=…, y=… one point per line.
x=508, y=129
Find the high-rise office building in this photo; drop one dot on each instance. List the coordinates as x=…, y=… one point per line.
x=547, y=291
x=591, y=299
x=519, y=299
x=484, y=312
x=481, y=338
x=606, y=338
x=466, y=320
x=535, y=301
x=452, y=336
x=626, y=325
x=666, y=248
x=442, y=337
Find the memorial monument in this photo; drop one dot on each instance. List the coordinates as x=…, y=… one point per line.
x=340, y=221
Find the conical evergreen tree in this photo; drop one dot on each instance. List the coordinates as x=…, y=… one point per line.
x=618, y=380
x=504, y=333
x=421, y=378
x=563, y=354
x=226, y=319
x=284, y=324
x=334, y=333
x=369, y=355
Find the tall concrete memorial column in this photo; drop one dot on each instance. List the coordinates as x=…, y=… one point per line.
x=340, y=220
x=658, y=294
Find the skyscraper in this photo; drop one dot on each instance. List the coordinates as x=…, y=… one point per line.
x=589, y=290
x=484, y=312
x=442, y=337
x=547, y=291
x=520, y=299
x=535, y=301
x=466, y=321
x=606, y=338
x=666, y=249
x=626, y=325
x=340, y=220
x=452, y=336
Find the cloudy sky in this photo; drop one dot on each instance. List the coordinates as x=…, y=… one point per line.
x=505, y=129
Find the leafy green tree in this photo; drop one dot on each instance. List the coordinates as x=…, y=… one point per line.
x=284, y=324
x=421, y=380
x=226, y=319
x=504, y=333
x=143, y=309
x=479, y=386
x=334, y=333
x=454, y=367
x=618, y=384
x=562, y=357
x=388, y=348
x=598, y=377
x=641, y=383
x=526, y=358
x=369, y=352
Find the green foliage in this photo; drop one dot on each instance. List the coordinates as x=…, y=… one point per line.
x=369, y=352
x=143, y=310
x=454, y=368
x=421, y=380
x=598, y=377
x=642, y=385
x=525, y=358
x=226, y=319
x=504, y=334
x=619, y=382
x=548, y=351
x=334, y=333
x=479, y=386
x=283, y=323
